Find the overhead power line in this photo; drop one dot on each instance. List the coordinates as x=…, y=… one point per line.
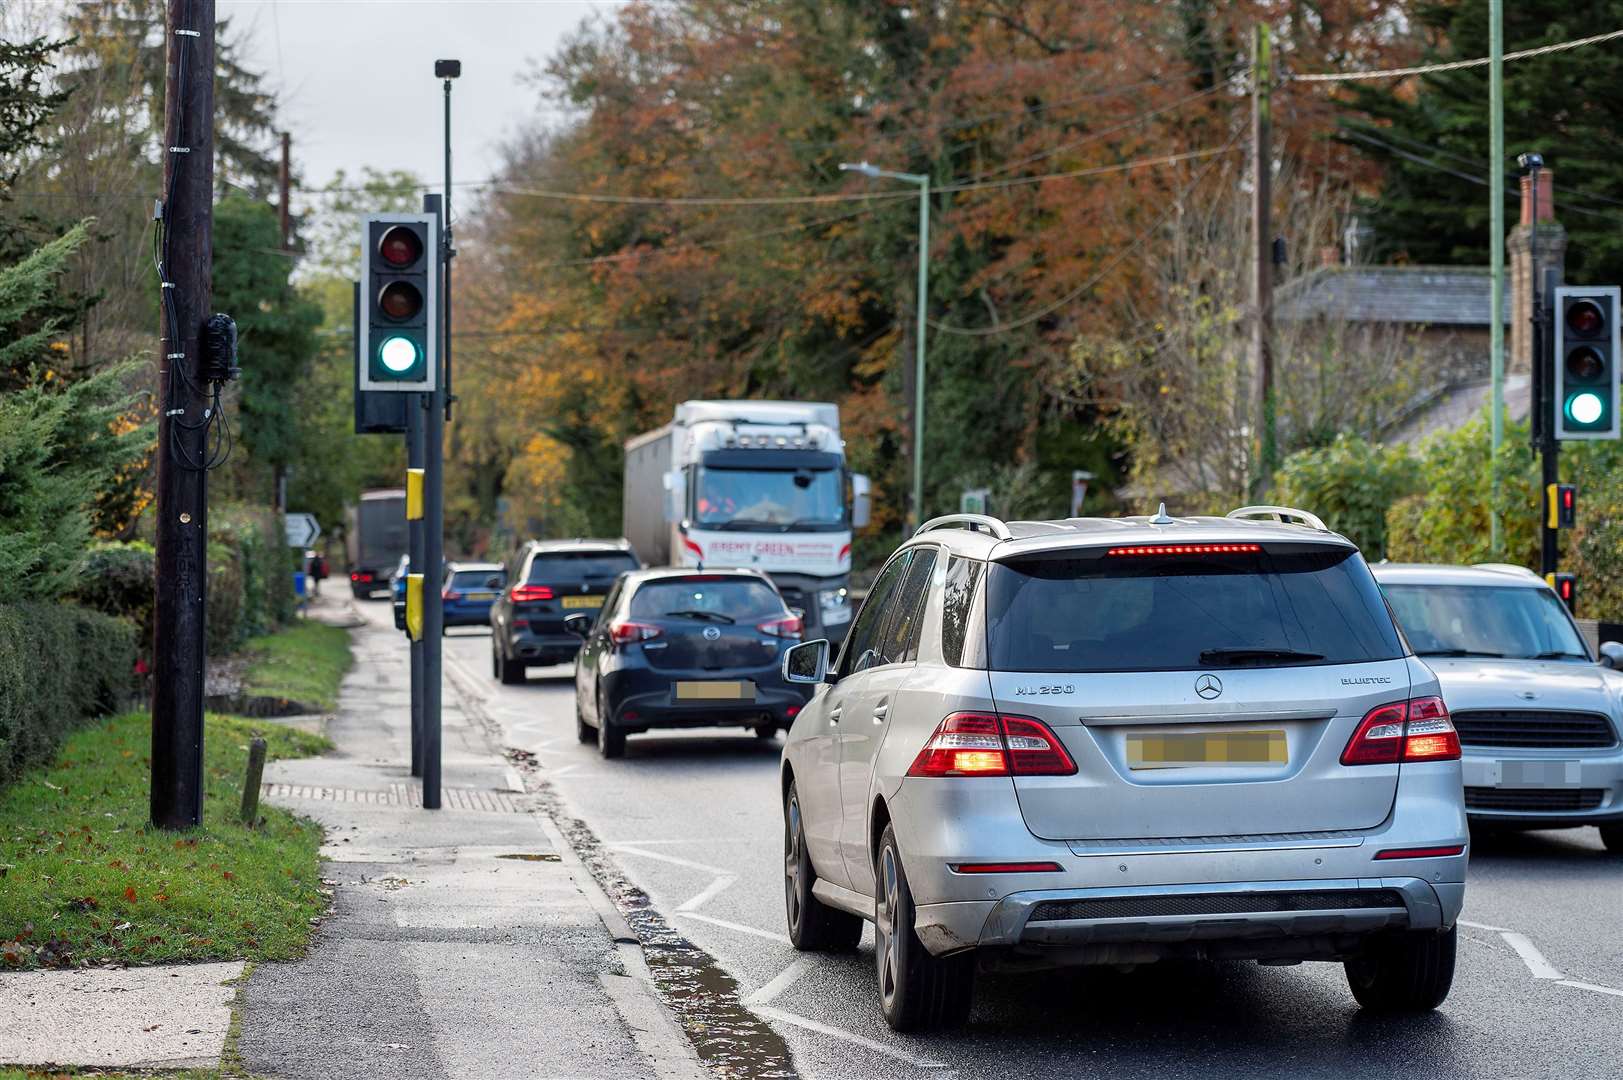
x=1452, y=65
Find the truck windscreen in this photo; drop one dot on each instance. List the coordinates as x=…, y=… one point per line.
x=784, y=499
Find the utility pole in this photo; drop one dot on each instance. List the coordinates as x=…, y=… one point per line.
x=284, y=184
x=1543, y=425
x=1496, y=259
x=1262, y=280
x=186, y=265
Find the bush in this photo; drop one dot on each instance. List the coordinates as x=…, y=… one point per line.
x=1594, y=549
x=1350, y=484
x=1448, y=521
x=117, y=580
x=60, y=666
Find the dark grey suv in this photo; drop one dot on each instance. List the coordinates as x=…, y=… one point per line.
x=548, y=580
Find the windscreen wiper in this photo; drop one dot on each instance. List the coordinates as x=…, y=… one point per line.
x=1241, y=656
x=1459, y=652
x=1559, y=654
x=713, y=616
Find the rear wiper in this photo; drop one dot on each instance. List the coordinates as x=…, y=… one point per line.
x=713, y=616
x=1240, y=656
x=1559, y=655
x=1459, y=652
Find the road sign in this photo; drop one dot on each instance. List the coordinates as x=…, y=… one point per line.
x=302, y=530
x=1079, y=490
x=974, y=500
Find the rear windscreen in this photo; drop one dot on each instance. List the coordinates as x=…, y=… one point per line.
x=579, y=566
x=476, y=579
x=1307, y=604
x=739, y=599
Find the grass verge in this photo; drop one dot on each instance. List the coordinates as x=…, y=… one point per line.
x=84, y=878
x=303, y=662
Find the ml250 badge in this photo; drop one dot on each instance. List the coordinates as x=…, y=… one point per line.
x=1036, y=691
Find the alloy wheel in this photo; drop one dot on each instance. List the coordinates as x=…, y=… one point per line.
x=886, y=945
x=791, y=863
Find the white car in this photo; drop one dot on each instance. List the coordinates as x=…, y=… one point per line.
x=1538, y=715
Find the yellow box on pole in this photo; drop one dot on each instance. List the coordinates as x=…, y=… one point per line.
x=414, y=606
x=414, y=494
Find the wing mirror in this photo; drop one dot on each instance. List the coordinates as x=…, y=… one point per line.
x=1611, y=655
x=579, y=624
x=806, y=662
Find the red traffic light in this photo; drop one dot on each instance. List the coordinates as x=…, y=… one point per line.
x=400, y=246
x=400, y=300
x=1584, y=319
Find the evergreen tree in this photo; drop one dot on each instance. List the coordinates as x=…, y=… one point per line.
x=1432, y=138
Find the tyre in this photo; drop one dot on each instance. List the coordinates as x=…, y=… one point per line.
x=611, y=741
x=916, y=990
x=765, y=731
x=584, y=732
x=1612, y=836
x=1404, y=972
x=813, y=925
x=495, y=660
x=508, y=671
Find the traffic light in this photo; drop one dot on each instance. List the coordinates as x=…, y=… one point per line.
x=399, y=302
x=1561, y=505
x=1566, y=587
x=1587, y=357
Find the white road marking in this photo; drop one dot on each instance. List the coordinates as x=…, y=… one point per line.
x=681, y=840
x=708, y=893
x=780, y=982
x=1540, y=967
x=740, y=927
x=1576, y=985
x=851, y=1037
x=557, y=774
x=632, y=849
x=1482, y=926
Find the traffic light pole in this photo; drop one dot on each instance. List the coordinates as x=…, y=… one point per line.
x=415, y=422
x=179, y=652
x=431, y=410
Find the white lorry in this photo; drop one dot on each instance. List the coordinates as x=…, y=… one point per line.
x=761, y=484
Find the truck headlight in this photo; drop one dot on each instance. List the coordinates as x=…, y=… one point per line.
x=835, y=606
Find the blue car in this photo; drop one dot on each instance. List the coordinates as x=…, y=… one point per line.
x=469, y=590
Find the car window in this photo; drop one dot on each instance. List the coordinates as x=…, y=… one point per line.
x=899, y=643
x=1113, y=610
x=1486, y=620
x=860, y=642
x=551, y=567
x=956, y=597
x=739, y=598
x=605, y=614
x=476, y=580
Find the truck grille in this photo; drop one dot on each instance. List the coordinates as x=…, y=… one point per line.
x=1138, y=907
x=1547, y=799
x=1533, y=728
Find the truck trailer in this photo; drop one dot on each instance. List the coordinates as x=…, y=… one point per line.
x=376, y=540
x=759, y=484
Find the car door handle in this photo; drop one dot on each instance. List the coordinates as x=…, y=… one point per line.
x=834, y=715
x=879, y=712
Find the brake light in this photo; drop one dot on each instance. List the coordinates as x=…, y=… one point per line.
x=360, y=576
x=450, y=594
x=1421, y=852
x=1415, y=730
x=524, y=593
x=629, y=633
x=987, y=744
x=788, y=626
x=1188, y=549
x=1007, y=868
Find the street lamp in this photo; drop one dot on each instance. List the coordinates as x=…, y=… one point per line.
x=923, y=181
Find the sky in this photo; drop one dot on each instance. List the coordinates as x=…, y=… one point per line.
x=355, y=78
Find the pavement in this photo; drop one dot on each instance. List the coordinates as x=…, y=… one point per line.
x=691, y=821
x=462, y=943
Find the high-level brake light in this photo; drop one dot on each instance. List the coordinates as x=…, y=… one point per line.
x=1404, y=731
x=1188, y=549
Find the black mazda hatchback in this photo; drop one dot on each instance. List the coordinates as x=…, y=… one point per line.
x=683, y=649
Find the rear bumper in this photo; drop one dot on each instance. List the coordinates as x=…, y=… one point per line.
x=649, y=696
x=543, y=649
x=468, y=615
x=1263, y=918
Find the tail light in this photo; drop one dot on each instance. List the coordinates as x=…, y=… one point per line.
x=521, y=624
x=789, y=626
x=523, y=593
x=450, y=594
x=988, y=744
x=1415, y=730
x=360, y=577
x=629, y=633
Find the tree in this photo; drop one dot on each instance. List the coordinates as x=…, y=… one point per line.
x=1429, y=135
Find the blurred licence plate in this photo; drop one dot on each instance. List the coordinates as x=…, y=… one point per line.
x=715, y=691
x=1186, y=749
x=583, y=601
x=480, y=596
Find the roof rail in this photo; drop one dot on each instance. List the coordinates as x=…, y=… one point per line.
x=1287, y=514
x=972, y=522
x=1506, y=568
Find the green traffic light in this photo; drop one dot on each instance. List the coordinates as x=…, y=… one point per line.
x=1585, y=407
x=398, y=354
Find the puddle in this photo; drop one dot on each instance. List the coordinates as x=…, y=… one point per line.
x=731, y=1041
x=530, y=856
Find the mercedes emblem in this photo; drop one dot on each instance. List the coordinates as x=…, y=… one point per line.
x=1208, y=686
x=711, y=633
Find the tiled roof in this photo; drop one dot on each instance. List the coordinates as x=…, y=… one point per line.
x=1428, y=295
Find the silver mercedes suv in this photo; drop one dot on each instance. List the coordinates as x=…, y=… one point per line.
x=1114, y=741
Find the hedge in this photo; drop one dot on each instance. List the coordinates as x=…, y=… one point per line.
x=60, y=667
